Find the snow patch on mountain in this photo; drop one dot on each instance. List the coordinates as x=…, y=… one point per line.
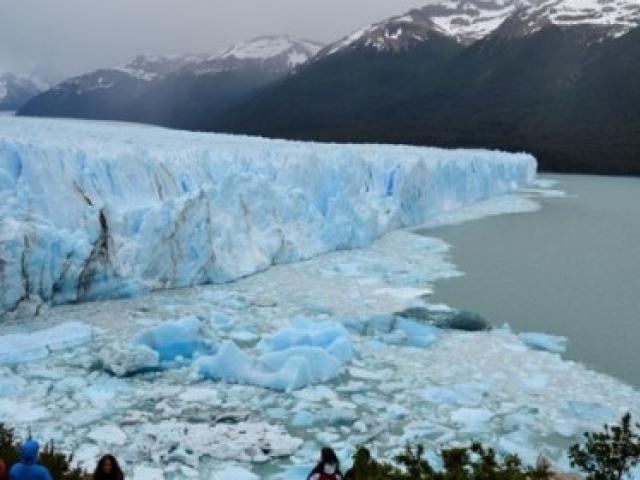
x=612, y=17
x=467, y=21
x=278, y=54
x=271, y=46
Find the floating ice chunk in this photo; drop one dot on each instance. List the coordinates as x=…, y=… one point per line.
x=234, y=473
x=27, y=347
x=11, y=387
x=418, y=334
x=173, y=339
x=322, y=365
x=241, y=442
x=588, y=411
x=536, y=382
x=303, y=419
x=232, y=365
x=143, y=472
x=305, y=332
x=201, y=395
x=544, y=182
x=543, y=341
x=67, y=335
x=464, y=394
x=221, y=321
x=108, y=434
x=19, y=410
x=124, y=359
x=472, y=419
x=342, y=349
x=243, y=336
x=397, y=411
x=295, y=472
x=342, y=416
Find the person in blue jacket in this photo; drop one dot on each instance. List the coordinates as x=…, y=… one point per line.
x=28, y=468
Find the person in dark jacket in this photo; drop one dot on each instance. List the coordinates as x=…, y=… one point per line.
x=108, y=469
x=328, y=468
x=28, y=468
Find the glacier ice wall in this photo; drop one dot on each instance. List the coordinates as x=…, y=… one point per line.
x=92, y=210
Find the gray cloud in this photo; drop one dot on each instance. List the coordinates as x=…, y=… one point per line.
x=80, y=35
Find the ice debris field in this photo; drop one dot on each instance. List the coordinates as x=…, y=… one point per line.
x=248, y=379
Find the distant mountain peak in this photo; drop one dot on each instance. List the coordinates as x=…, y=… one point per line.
x=151, y=67
x=611, y=18
x=469, y=20
x=275, y=53
x=272, y=46
x=463, y=20
x=16, y=89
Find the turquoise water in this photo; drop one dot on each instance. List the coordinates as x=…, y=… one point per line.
x=571, y=269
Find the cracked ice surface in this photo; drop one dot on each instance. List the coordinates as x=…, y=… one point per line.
x=168, y=421
x=92, y=210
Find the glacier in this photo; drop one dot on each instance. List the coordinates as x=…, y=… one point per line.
x=98, y=210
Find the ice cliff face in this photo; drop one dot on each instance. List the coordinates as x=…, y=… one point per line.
x=91, y=210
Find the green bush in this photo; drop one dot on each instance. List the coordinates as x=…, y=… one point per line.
x=470, y=463
x=608, y=455
x=58, y=464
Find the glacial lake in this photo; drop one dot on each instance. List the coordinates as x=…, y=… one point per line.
x=570, y=269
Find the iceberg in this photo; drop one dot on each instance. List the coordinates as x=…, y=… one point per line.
x=543, y=341
x=294, y=357
x=173, y=339
x=232, y=365
x=92, y=210
x=28, y=347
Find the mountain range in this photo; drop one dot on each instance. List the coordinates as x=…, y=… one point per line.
x=557, y=78
x=182, y=91
x=18, y=88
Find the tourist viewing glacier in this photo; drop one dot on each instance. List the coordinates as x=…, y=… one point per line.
x=96, y=210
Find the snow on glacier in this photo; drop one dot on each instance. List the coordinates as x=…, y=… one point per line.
x=93, y=210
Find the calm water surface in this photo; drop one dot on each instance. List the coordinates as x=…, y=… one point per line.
x=571, y=269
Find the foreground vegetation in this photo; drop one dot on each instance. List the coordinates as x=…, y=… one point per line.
x=606, y=455
x=58, y=464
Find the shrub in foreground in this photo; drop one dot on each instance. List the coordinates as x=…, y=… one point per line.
x=58, y=464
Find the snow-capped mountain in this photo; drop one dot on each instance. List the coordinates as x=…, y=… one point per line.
x=141, y=69
x=16, y=90
x=471, y=20
x=278, y=54
x=178, y=91
x=608, y=18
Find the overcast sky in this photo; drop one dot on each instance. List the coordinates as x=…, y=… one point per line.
x=80, y=35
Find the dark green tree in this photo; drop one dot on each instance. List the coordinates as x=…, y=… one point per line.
x=467, y=463
x=608, y=455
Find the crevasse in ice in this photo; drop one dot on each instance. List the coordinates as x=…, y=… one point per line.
x=99, y=210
